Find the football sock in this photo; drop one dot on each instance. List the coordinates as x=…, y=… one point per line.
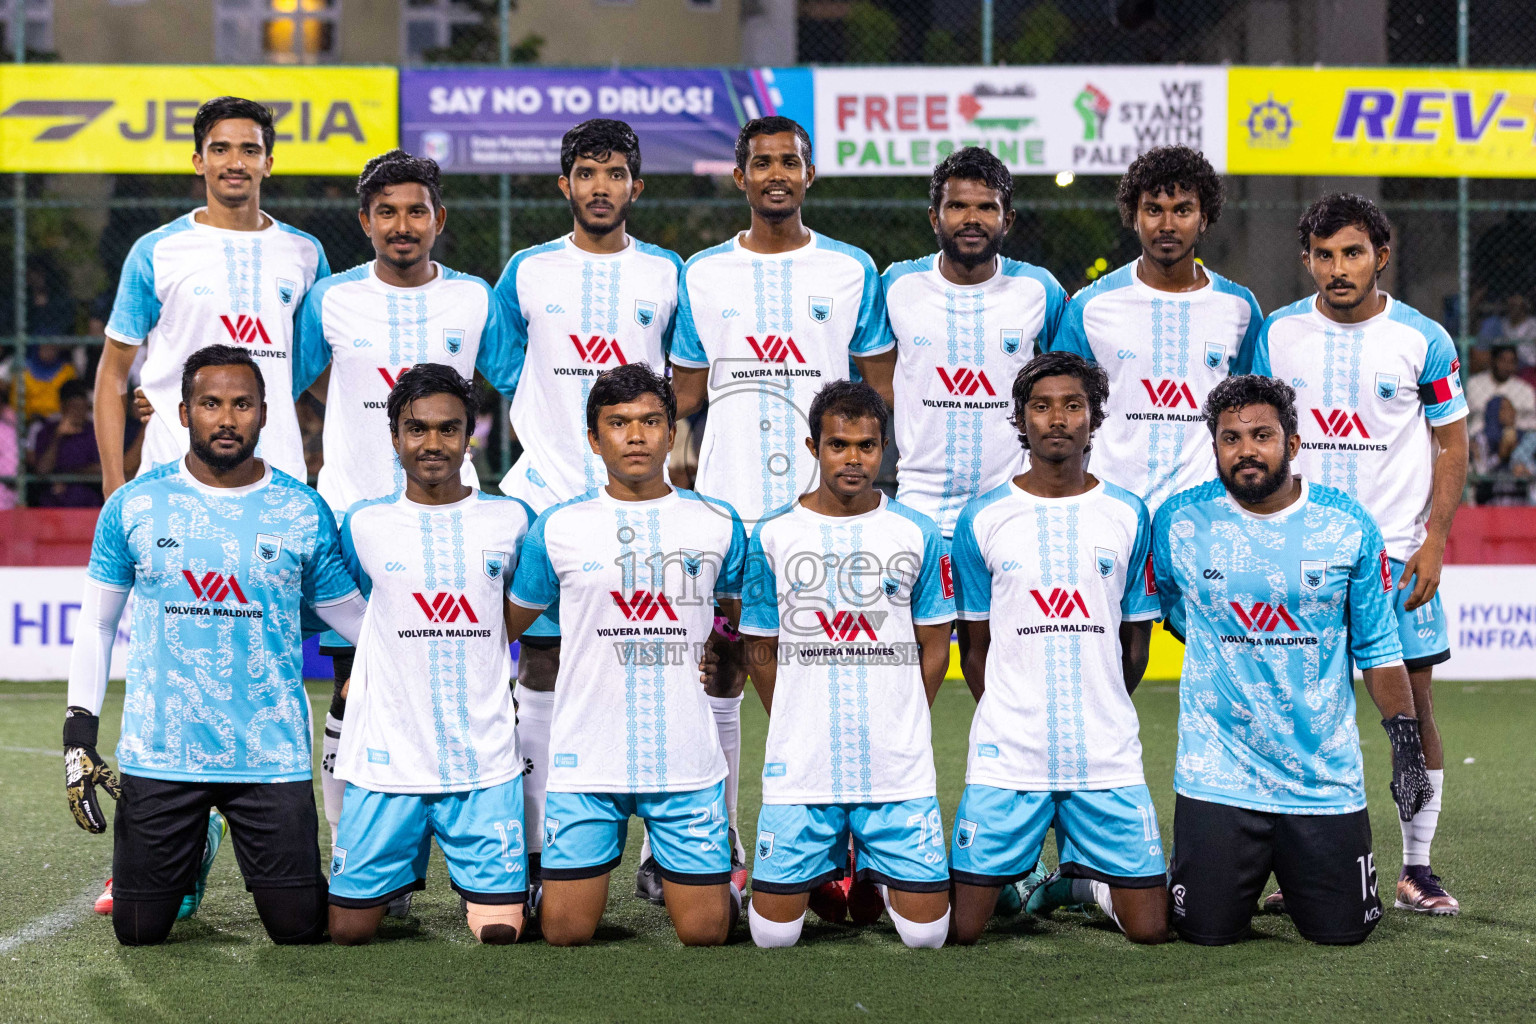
x=1087, y=890
x=924, y=935
x=535, y=713
x=331, y=788
x=727, y=711
x=1419, y=831
x=768, y=934
x=645, y=845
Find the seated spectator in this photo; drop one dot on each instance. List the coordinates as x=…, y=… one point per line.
x=1516, y=327
x=10, y=443
x=66, y=443
x=51, y=311
x=1500, y=381
x=46, y=371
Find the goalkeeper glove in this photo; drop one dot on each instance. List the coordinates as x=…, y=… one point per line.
x=1411, y=788
x=84, y=770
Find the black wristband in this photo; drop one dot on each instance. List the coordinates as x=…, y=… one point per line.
x=80, y=727
x=1402, y=732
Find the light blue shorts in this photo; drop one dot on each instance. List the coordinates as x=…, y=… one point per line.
x=1105, y=834
x=1426, y=639
x=801, y=846
x=384, y=839
x=585, y=833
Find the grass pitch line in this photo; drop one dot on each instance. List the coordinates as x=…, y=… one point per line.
x=31, y=750
x=61, y=920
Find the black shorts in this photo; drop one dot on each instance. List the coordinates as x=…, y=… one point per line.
x=341, y=661
x=160, y=828
x=1222, y=856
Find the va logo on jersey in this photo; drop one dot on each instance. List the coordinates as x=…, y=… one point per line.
x=215, y=587
x=445, y=606
x=1386, y=386
x=765, y=845
x=645, y=312
x=247, y=330
x=1215, y=352
x=1313, y=573
x=286, y=290
x=1059, y=603
x=453, y=340
x=268, y=547
x=1012, y=341
x=1104, y=561
x=693, y=563
x=494, y=563
x=965, y=833
x=845, y=626
x=821, y=308
x=1263, y=617
x=392, y=379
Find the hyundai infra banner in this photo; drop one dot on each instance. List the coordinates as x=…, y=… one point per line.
x=511, y=120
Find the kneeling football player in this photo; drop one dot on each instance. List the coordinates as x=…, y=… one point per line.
x=1052, y=587
x=634, y=568
x=428, y=747
x=857, y=588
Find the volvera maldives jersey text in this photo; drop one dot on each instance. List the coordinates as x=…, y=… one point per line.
x=369, y=333
x=1272, y=609
x=959, y=347
x=633, y=585
x=1055, y=578
x=1163, y=352
x=430, y=707
x=850, y=718
x=1367, y=396
x=215, y=688
x=574, y=314
x=186, y=286
x=772, y=329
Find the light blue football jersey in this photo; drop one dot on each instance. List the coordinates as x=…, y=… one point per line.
x=1273, y=608
x=215, y=670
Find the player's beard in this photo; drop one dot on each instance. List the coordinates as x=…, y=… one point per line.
x=953, y=254
x=203, y=449
x=1254, y=493
x=403, y=265
x=621, y=217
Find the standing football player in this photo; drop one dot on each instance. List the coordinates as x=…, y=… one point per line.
x=764, y=321
x=430, y=748
x=1165, y=328
x=363, y=329
x=1053, y=588
x=966, y=320
x=595, y=299
x=219, y=549
x=1277, y=583
x=635, y=568
x=854, y=585
x=226, y=272
x=1384, y=420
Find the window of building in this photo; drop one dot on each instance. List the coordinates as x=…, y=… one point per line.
x=427, y=25
x=39, y=24
x=277, y=31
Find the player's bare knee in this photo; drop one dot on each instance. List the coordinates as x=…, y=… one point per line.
x=1146, y=933
x=730, y=681
x=537, y=667
x=704, y=932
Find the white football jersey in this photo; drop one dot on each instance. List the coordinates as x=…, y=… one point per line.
x=370, y=333
x=186, y=286
x=959, y=347
x=576, y=314
x=850, y=717
x=772, y=330
x=1054, y=578
x=1367, y=395
x=430, y=707
x=633, y=585
x=1163, y=351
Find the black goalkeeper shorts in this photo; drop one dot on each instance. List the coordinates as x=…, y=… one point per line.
x=160, y=829
x=1222, y=856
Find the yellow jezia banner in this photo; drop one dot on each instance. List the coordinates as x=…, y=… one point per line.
x=136, y=118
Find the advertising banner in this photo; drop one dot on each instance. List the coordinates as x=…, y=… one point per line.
x=1038, y=120
x=511, y=120
x=1371, y=121
x=39, y=618
x=137, y=119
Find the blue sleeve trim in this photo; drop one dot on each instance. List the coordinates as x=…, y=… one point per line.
x=896, y=271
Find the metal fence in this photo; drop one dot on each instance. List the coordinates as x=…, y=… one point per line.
x=1459, y=244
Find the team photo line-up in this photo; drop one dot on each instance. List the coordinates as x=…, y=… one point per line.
x=1277, y=491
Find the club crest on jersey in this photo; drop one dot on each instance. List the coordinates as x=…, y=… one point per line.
x=1012, y=341
x=1313, y=574
x=765, y=844
x=965, y=833
x=1386, y=386
x=268, y=547
x=453, y=340
x=338, y=860
x=551, y=826
x=286, y=290
x=494, y=563
x=1215, y=352
x=645, y=312
x=693, y=563
x=821, y=308
x=1104, y=561
x=891, y=585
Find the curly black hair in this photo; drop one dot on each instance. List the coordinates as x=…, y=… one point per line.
x=233, y=108
x=972, y=164
x=397, y=167
x=1159, y=171
x=1061, y=364
x=219, y=355
x=599, y=138
x=426, y=379
x=851, y=400
x=623, y=384
x=770, y=126
x=1339, y=210
x=1252, y=389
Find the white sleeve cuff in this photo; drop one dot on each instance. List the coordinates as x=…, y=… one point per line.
x=345, y=615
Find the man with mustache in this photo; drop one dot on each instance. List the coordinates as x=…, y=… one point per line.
x=219, y=550
x=590, y=301
x=1385, y=422
x=1166, y=328
x=1278, y=585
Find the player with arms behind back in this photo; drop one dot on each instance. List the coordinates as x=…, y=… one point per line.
x=1277, y=584
x=1383, y=419
x=1051, y=580
x=634, y=568
x=858, y=589
x=429, y=749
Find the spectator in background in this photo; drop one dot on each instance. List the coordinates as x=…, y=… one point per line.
x=43, y=376
x=51, y=310
x=1502, y=410
x=1500, y=381
x=66, y=443
x=10, y=443
x=1516, y=327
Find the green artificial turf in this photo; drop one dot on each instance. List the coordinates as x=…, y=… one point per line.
x=59, y=962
